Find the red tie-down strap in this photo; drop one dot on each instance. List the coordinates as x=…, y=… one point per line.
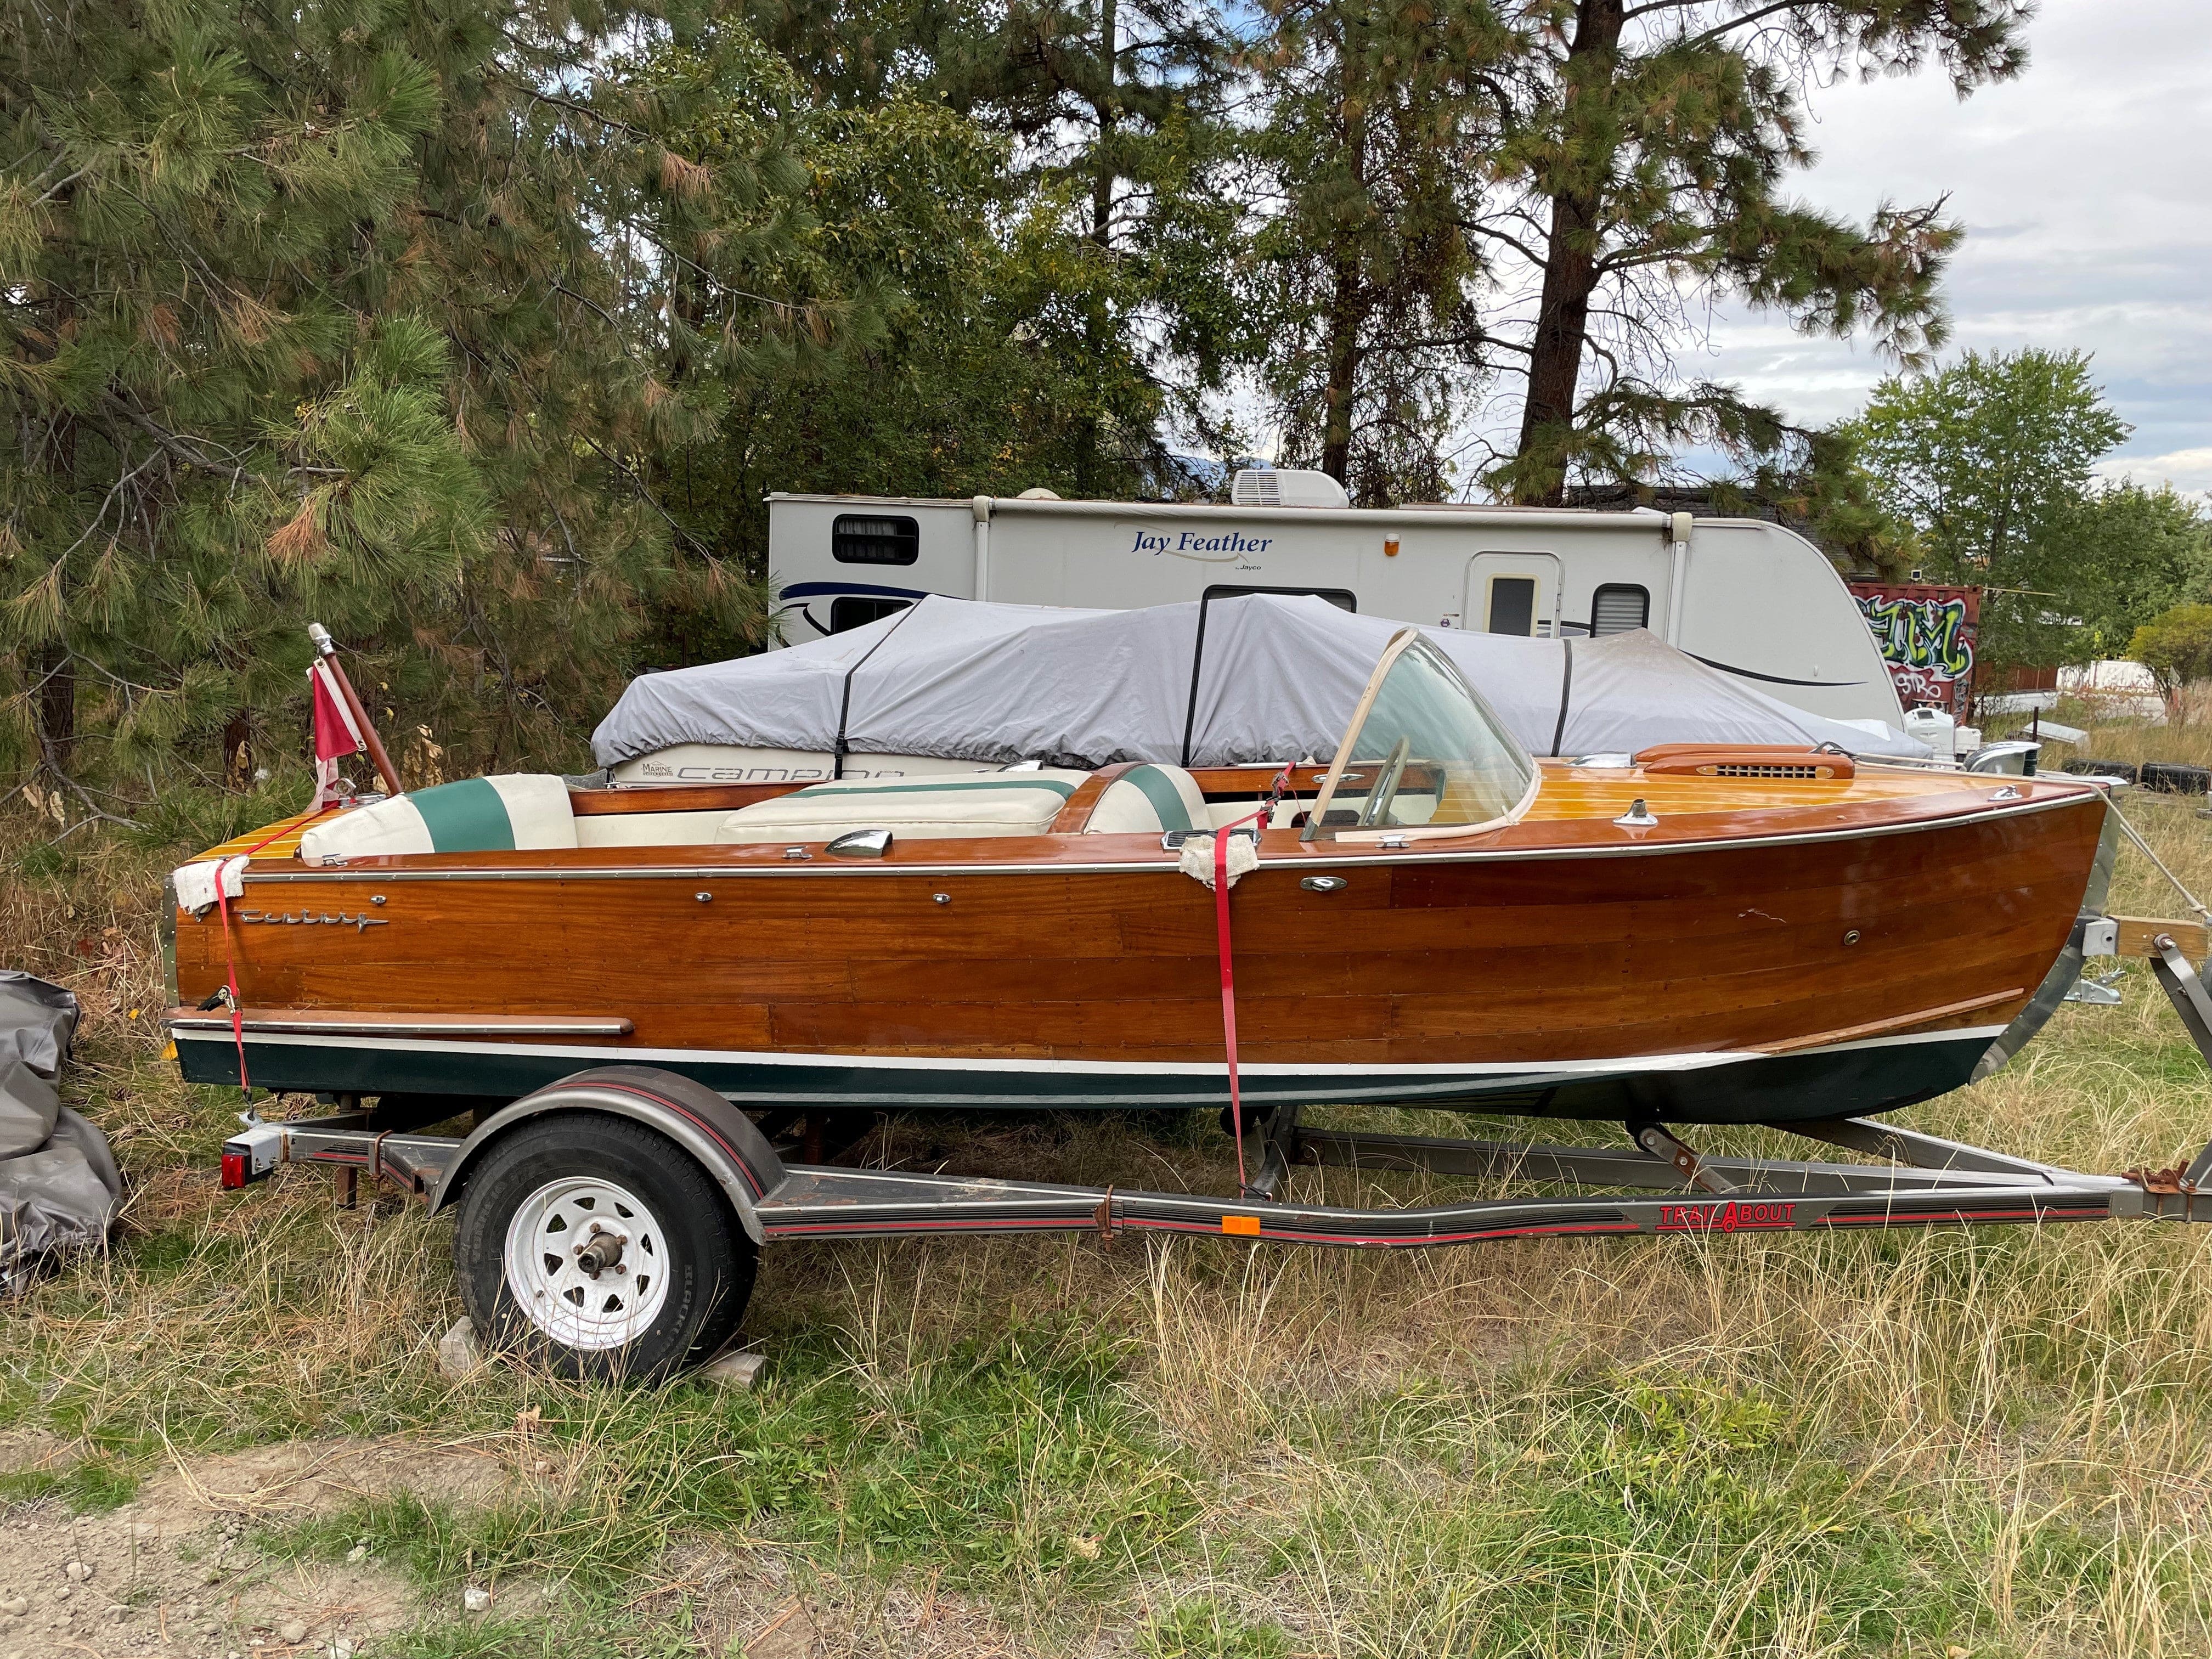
x=1222, y=945
x=230, y=978
x=229, y=954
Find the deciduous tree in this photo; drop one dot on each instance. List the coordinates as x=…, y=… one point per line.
x=1991, y=461
x=2177, y=648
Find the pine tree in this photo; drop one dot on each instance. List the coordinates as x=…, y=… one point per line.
x=1120, y=191
x=358, y=312
x=1380, y=121
x=1643, y=166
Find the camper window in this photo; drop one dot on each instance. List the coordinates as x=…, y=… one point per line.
x=874, y=538
x=1513, y=604
x=1341, y=597
x=851, y=612
x=1619, y=608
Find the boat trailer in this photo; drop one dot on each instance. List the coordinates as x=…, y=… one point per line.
x=1670, y=1187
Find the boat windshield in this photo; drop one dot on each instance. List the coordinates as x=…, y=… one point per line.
x=1425, y=755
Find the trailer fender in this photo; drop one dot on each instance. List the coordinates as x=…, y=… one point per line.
x=719, y=1136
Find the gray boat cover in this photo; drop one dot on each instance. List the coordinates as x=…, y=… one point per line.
x=59, y=1186
x=1277, y=679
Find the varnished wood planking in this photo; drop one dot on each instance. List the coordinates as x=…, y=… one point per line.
x=1537, y=958
x=1573, y=809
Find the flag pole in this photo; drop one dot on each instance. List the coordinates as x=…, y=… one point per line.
x=328, y=653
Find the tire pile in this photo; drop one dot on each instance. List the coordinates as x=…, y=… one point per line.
x=2168, y=777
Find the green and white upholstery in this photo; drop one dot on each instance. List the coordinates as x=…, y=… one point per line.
x=919, y=809
x=1147, y=799
x=518, y=812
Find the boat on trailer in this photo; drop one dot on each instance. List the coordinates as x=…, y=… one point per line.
x=1416, y=912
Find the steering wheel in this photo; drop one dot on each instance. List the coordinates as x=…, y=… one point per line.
x=1386, y=789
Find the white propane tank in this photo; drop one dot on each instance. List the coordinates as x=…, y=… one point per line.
x=1934, y=728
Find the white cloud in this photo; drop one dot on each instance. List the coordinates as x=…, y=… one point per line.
x=2186, y=470
x=2085, y=189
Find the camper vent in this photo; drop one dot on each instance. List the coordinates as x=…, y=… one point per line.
x=1285, y=487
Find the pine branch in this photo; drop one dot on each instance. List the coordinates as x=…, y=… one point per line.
x=180, y=449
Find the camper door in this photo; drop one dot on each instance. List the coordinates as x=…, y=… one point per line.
x=1516, y=593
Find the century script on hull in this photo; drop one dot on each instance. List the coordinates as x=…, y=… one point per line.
x=359, y=924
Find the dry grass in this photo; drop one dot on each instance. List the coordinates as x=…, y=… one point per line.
x=1999, y=1441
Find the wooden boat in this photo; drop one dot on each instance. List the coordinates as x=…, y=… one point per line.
x=1705, y=934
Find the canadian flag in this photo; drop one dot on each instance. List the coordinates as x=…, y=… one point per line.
x=336, y=733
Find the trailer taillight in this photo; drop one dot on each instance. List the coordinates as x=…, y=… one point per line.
x=249, y=1156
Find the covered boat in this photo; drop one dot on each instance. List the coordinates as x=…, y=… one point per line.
x=1220, y=683
x=1429, y=907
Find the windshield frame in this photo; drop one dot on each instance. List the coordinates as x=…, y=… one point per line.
x=1404, y=639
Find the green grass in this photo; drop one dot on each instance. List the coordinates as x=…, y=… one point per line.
x=89, y=1486
x=1761, y=1447
x=1024, y=1461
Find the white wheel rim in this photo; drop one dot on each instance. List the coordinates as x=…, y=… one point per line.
x=550, y=1246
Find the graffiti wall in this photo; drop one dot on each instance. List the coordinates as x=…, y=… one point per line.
x=1927, y=636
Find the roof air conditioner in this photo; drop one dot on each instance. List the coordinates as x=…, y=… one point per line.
x=1285, y=487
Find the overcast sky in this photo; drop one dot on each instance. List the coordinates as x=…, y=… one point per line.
x=2085, y=187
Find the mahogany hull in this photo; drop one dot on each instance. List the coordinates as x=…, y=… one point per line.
x=1841, y=963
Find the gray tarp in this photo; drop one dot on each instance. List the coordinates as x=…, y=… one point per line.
x=1279, y=679
x=58, y=1183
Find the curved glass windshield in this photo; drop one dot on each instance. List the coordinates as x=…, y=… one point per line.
x=1426, y=754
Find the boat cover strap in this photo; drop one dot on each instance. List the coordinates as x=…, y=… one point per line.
x=1566, y=690
x=838, y=751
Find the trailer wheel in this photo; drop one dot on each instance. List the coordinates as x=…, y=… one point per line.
x=602, y=1248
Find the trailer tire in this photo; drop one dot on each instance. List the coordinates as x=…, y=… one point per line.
x=679, y=1271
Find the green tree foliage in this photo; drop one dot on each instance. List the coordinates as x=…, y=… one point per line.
x=479, y=329
x=375, y=313
x=1641, y=170
x=1991, y=461
x=2177, y=648
x=1112, y=217
x=1380, y=120
x=2133, y=554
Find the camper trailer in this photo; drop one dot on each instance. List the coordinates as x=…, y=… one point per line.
x=1746, y=596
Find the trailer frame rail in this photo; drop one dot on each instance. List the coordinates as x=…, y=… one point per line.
x=1926, y=1180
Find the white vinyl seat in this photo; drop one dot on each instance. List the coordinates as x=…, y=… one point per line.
x=518, y=812
x=1149, y=799
x=919, y=809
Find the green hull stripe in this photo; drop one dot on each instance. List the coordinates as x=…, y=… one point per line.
x=1766, y=1089
x=466, y=817
x=816, y=791
x=1166, y=799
